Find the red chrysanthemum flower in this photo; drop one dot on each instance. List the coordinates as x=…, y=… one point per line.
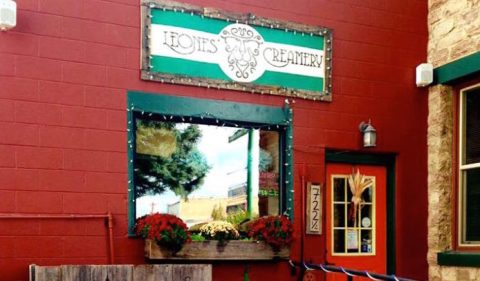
x=165, y=229
x=277, y=231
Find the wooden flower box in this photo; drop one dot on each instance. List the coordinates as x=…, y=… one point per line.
x=212, y=250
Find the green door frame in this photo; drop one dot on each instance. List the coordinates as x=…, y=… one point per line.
x=388, y=161
x=213, y=112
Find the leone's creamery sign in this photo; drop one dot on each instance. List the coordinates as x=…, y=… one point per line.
x=210, y=48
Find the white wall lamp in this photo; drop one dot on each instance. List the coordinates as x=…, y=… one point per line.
x=8, y=14
x=424, y=74
x=369, y=134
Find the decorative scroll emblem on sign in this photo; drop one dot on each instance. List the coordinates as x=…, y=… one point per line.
x=242, y=44
x=189, y=45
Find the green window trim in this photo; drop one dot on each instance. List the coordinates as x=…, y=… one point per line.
x=206, y=110
x=454, y=258
x=455, y=70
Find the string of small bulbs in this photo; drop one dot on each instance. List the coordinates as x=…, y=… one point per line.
x=209, y=116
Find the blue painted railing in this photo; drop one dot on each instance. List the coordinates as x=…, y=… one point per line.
x=350, y=273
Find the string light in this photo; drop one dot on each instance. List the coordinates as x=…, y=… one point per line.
x=259, y=22
x=209, y=116
x=248, y=89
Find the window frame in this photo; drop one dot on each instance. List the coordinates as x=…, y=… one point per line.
x=209, y=111
x=332, y=227
x=460, y=168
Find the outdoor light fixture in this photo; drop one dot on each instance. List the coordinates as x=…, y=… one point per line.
x=8, y=14
x=369, y=134
x=424, y=74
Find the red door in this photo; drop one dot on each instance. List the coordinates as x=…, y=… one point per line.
x=356, y=218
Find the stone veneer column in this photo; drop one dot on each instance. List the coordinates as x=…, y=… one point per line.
x=440, y=152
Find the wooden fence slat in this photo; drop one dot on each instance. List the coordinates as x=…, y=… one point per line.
x=47, y=273
x=112, y=273
x=153, y=273
x=192, y=272
x=98, y=273
x=76, y=273
x=120, y=273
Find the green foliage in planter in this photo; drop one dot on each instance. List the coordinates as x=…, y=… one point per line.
x=196, y=237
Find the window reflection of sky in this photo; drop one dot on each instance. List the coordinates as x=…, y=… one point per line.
x=228, y=167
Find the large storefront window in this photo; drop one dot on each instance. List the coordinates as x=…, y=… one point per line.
x=470, y=166
x=202, y=173
x=205, y=160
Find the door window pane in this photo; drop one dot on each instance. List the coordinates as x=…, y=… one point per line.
x=339, y=241
x=367, y=241
x=365, y=215
x=339, y=215
x=339, y=190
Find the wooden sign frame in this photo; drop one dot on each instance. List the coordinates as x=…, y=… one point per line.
x=150, y=72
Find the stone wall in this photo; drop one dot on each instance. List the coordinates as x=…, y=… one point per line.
x=454, y=30
x=440, y=141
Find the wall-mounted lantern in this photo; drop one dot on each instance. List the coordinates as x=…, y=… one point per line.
x=369, y=134
x=8, y=14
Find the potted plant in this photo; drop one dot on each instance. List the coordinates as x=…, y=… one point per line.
x=266, y=238
x=219, y=230
x=277, y=231
x=168, y=231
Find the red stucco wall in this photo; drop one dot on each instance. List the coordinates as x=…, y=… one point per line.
x=64, y=73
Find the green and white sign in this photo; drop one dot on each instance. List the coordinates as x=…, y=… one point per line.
x=189, y=45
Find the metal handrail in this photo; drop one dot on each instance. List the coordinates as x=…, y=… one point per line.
x=349, y=272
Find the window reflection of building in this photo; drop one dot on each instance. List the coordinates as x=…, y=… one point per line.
x=237, y=190
x=268, y=193
x=237, y=199
x=265, y=186
x=197, y=210
x=243, y=189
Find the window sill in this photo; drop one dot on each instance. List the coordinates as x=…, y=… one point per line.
x=212, y=250
x=454, y=258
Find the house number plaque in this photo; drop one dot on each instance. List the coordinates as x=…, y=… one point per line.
x=314, y=209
